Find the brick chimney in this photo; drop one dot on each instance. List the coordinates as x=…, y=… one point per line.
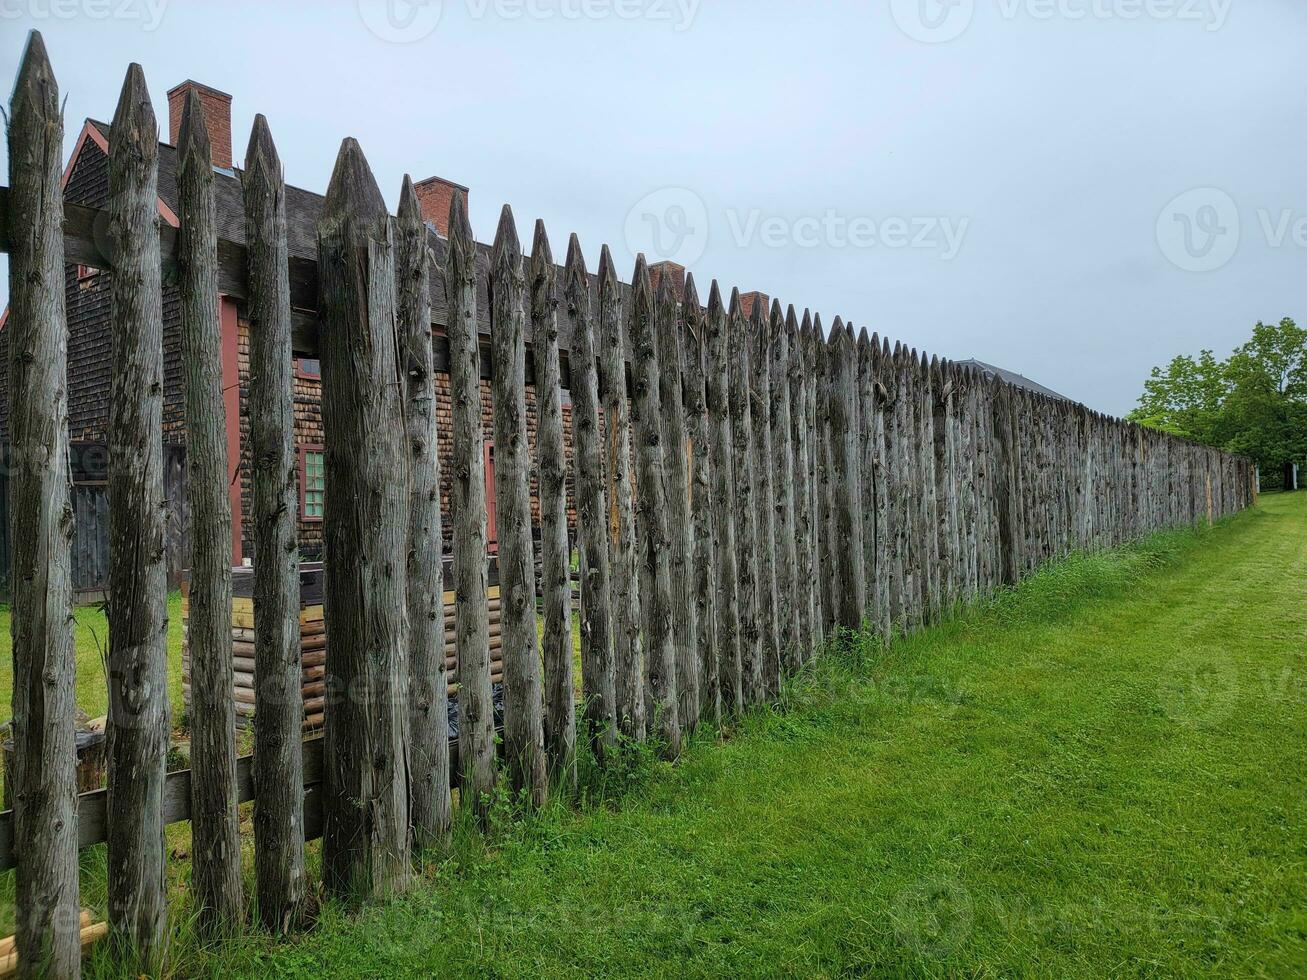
x=675, y=274
x=435, y=195
x=217, y=118
x=749, y=300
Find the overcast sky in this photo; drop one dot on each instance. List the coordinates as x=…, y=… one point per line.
x=1072, y=189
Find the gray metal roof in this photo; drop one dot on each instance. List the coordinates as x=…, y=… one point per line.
x=1011, y=377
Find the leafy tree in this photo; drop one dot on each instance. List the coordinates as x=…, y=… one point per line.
x=1255, y=402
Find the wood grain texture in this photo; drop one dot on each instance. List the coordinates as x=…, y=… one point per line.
x=846, y=531
x=787, y=618
x=139, y=721
x=524, y=739
x=278, y=767
x=746, y=514
x=215, y=828
x=598, y=680
x=801, y=471
x=42, y=781
x=719, y=396
x=760, y=401
x=366, y=840
x=677, y=454
x=654, y=551
x=431, y=808
x=628, y=654
x=555, y=577
x=692, y=329
x=475, y=706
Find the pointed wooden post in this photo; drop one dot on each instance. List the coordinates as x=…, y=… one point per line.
x=801, y=495
x=428, y=688
x=278, y=723
x=627, y=651
x=652, y=523
x=556, y=578
x=138, y=611
x=746, y=516
x=42, y=780
x=721, y=404
x=215, y=831
x=680, y=527
x=945, y=503
x=787, y=617
x=846, y=533
x=811, y=396
x=866, y=445
x=692, y=335
x=827, y=570
x=524, y=739
x=476, y=712
x=598, y=681
x=880, y=492
x=761, y=408
x=365, y=842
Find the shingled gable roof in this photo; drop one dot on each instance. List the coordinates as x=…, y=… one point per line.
x=1012, y=378
x=302, y=211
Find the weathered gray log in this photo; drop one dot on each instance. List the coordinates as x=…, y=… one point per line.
x=215, y=828
x=847, y=529
x=598, y=682
x=652, y=522
x=138, y=610
x=945, y=482
x=828, y=572
x=428, y=688
x=927, y=489
x=42, y=780
x=787, y=617
x=676, y=462
x=692, y=335
x=764, y=498
x=524, y=738
x=729, y=598
x=801, y=487
x=278, y=766
x=476, y=724
x=880, y=492
x=866, y=447
x=746, y=516
x=625, y=592
x=365, y=849
x=812, y=389
x=556, y=578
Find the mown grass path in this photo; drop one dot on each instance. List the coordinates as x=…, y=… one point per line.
x=1102, y=774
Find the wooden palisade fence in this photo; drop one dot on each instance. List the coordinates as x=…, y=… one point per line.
x=746, y=487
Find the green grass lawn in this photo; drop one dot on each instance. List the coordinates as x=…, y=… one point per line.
x=91, y=639
x=1100, y=774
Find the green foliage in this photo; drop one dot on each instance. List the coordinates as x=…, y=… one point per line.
x=1254, y=402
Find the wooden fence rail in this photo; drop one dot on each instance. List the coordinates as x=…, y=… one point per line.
x=748, y=487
